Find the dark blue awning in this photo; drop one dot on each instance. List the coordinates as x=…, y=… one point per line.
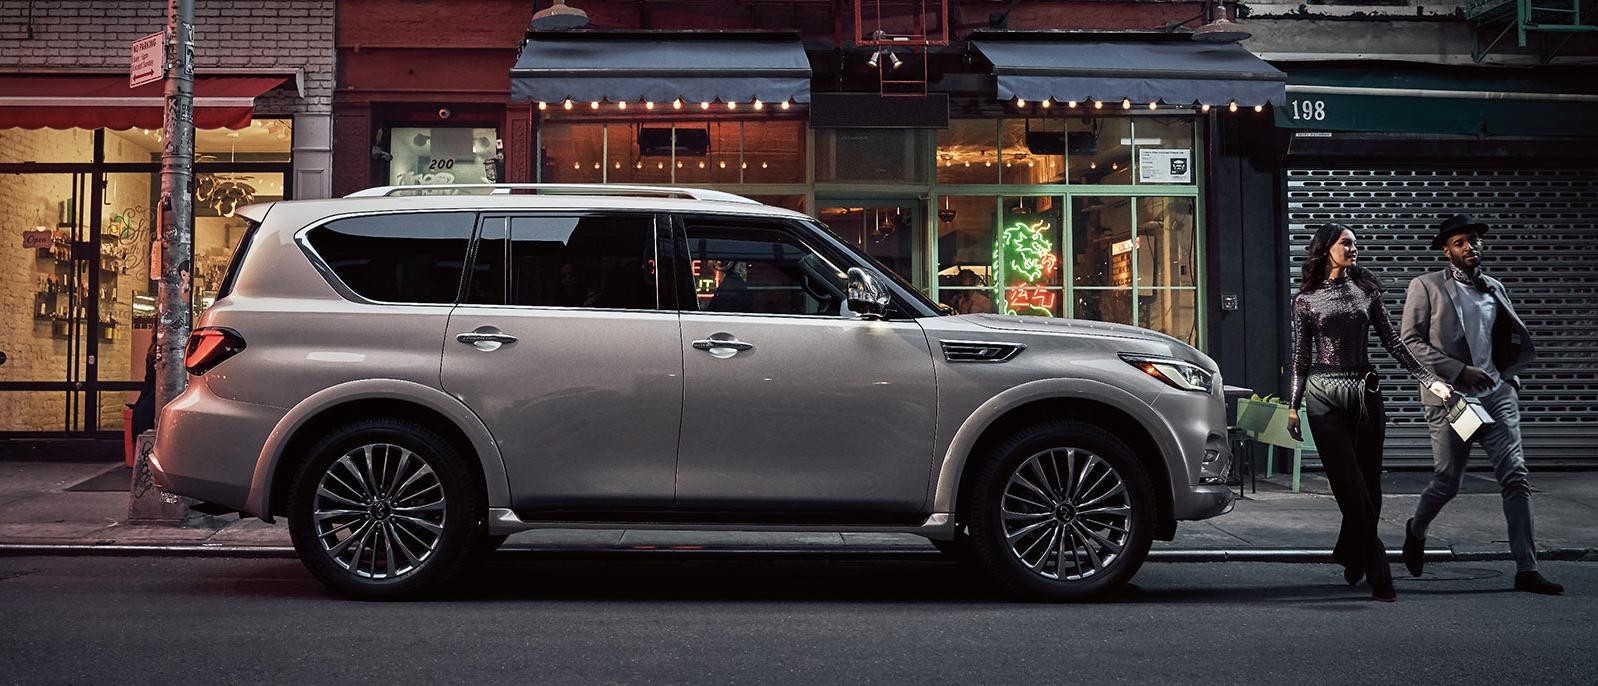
x=1172, y=72
x=632, y=67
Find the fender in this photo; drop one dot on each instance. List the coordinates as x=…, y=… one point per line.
x=946, y=491
x=488, y=455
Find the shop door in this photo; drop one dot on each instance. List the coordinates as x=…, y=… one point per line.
x=1544, y=226
x=889, y=230
x=52, y=299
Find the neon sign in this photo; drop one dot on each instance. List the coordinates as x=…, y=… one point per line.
x=1027, y=253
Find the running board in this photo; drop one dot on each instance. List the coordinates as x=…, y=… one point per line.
x=503, y=522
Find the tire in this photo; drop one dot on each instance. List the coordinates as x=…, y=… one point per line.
x=1054, y=537
x=377, y=482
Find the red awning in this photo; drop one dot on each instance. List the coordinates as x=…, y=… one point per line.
x=66, y=101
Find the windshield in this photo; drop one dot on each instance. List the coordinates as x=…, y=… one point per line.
x=904, y=285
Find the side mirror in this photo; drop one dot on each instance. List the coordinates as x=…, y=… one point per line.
x=867, y=298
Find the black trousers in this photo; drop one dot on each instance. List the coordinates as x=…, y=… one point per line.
x=1348, y=419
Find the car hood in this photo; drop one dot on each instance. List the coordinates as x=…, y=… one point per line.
x=1085, y=327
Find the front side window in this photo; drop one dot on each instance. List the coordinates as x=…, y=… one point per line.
x=591, y=261
x=403, y=258
x=760, y=270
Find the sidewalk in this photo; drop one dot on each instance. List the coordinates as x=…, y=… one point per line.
x=48, y=504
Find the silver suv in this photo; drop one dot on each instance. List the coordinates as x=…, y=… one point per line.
x=409, y=375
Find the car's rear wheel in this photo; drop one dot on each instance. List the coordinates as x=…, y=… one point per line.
x=1062, y=511
x=384, y=508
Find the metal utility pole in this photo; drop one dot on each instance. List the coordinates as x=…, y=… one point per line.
x=147, y=504
x=177, y=203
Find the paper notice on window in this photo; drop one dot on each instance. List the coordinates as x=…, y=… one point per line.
x=1160, y=165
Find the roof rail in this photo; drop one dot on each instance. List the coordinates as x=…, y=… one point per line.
x=553, y=189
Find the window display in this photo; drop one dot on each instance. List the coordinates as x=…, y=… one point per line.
x=444, y=155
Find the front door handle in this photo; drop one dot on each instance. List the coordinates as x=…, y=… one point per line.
x=722, y=346
x=486, y=341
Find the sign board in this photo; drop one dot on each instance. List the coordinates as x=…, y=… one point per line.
x=1165, y=165
x=36, y=239
x=147, y=64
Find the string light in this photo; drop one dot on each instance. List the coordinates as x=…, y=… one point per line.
x=618, y=165
x=596, y=165
x=649, y=105
x=638, y=165
x=1045, y=104
x=1020, y=103
x=577, y=165
x=1126, y=104
x=1233, y=106
x=1071, y=104
x=722, y=164
x=593, y=105
x=701, y=164
x=676, y=104
x=679, y=164
x=785, y=104
x=759, y=105
x=621, y=105
x=732, y=105
x=1204, y=108
x=542, y=105
x=704, y=105
x=762, y=165
x=743, y=165
x=567, y=104
x=1259, y=108
x=1154, y=105
x=660, y=165
x=1098, y=104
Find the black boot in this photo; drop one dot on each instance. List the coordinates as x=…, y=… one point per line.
x=1532, y=582
x=1352, y=575
x=1414, y=549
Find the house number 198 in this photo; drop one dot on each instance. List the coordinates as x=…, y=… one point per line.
x=1309, y=110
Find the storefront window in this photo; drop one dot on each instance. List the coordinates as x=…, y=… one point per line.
x=887, y=233
x=871, y=155
x=1099, y=150
x=966, y=229
x=441, y=155
x=46, y=145
x=704, y=153
x=1033, y=151
x=968, y=152
x=1027, y=255
x=264, y=140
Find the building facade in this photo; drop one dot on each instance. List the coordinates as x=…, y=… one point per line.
x=80, y=154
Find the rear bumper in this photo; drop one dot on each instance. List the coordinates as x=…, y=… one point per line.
x=206, y=447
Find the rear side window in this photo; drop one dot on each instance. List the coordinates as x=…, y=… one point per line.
x=401, y=258
x=590, y=261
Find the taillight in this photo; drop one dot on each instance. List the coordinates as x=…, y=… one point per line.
x=209, y=347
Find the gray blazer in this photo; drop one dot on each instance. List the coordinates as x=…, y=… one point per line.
x=1432, y=329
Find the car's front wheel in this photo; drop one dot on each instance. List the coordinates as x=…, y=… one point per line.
x=1062, y=511
x=384, y=508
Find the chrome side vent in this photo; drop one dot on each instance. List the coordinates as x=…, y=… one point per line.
x=980, y=351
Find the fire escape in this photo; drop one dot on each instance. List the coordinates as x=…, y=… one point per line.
x=1559, y=20
x=899, y=32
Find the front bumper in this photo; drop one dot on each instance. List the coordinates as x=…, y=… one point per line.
x=1198, y=423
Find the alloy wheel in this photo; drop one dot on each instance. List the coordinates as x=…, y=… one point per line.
x=1066, y=514
x=379, y=511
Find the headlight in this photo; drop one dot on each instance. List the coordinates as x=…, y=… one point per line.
x=1179, y=374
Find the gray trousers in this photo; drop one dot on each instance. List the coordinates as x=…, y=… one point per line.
x=1502, y=443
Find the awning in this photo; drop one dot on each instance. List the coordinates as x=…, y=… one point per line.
x=1172, y=72
x=66, y=101
x=633, y=67
x=1437, y=99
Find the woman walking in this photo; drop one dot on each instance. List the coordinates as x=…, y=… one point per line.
x=1337, y=304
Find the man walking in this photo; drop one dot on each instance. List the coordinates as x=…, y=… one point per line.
x=1459, y=323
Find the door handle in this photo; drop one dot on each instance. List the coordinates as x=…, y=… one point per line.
x=722, y=346
x=485, y=341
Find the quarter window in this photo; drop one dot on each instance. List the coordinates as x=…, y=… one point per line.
x=406, y=258
x=594, y=261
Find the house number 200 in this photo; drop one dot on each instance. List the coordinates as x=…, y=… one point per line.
x=1311, y=110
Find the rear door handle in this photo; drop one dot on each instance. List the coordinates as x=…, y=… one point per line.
x=484, y=340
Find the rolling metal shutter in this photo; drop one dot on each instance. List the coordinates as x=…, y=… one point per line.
x=1543, y=245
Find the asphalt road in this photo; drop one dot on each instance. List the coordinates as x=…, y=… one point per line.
x=675, y=618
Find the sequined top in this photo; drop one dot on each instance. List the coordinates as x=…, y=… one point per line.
x=1331, y=327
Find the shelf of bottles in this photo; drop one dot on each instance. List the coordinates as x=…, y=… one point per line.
x=54, y=290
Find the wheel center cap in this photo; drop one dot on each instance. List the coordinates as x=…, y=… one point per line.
x=1065, y=512
x=380, y=510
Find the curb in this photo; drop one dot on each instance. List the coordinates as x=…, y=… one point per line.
x=1279, y=555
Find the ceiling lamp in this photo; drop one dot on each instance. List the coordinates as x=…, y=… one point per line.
x=558, y=17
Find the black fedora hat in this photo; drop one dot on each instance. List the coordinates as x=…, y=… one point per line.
x=1458, y=223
